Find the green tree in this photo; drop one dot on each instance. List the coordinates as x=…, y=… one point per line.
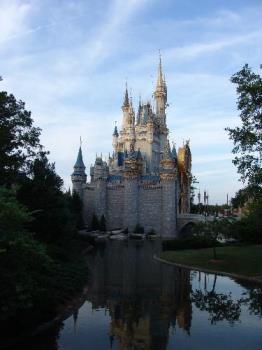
x=213, y=230
x=247, y=138
x=13, y=215
x=42, y=193
x=19, y=139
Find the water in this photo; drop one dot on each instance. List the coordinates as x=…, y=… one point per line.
x=135, y=303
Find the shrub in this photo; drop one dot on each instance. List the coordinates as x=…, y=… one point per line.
x=139, y=229
x=95, y=224
x=102, y=224
x=193, y=242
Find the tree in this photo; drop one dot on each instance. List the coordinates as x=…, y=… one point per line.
x=247, y=138
x=19, y=139
x=212, y=230
x=41, y=193
x=193, y=182
x=102, y=225
x=95, y=224
x=13, y=215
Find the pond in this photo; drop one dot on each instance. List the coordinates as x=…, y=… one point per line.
x=135, y=302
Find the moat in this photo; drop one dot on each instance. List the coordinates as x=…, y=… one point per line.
x=135, y=302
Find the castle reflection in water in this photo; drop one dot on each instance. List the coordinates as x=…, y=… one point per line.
x=145, y=299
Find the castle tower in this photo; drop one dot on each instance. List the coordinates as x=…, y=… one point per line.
x=160, y=95
x=100, y=179
x=184, y=165
x=115, y=138
x=168, y=176
x=133, y=169
x=79, y=176
x=126, y=110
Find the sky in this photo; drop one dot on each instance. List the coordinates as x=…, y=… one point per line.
x=69, y=61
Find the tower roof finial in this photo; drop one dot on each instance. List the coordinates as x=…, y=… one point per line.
x=160, y=78
x=126, y=98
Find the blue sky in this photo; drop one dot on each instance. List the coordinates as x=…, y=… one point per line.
x=68, y=60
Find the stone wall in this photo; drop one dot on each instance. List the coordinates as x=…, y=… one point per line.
x=130, y=208
x=169, y=208
x=115, y=205
x=88, y=204
x=125, y=204
x=150, y=207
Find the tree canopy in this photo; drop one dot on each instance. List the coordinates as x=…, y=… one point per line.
x=19, y=138
x=247, y=137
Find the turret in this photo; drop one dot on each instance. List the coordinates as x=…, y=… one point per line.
x=184, y=166
x=139, y=112
x=160, y=95
x=79, y=176
x=115, y=138
x=168, y=176
x=173, y=152
x=126, y=109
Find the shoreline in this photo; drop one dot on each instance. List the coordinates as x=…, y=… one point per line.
x=221, y=273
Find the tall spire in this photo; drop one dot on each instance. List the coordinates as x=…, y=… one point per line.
x=126, y=98
x=160, y=93
x=160, y=78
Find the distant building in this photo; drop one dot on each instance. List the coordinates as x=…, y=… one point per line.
x=144, y=182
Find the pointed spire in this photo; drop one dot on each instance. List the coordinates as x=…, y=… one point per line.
x=126, y=98
x=167, y=152
x=115, y=133
x=139, y=111
x=173, y=152
x=79, y=161
x=160, y=78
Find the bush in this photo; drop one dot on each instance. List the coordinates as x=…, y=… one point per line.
x=193, y=242
x=95, y=224
x=139, y=229
x=102, y=224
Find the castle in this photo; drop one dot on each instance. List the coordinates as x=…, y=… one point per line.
x=143, y=182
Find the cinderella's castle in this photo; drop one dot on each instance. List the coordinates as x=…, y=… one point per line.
x=144, y=182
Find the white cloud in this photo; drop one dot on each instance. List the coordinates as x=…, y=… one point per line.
x=13, y=19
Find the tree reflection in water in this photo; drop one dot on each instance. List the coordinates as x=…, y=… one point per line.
x=222, y=307
x=148, y=305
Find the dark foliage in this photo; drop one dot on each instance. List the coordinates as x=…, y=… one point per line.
x=139, y=229
x=249, y=228
x=19, y=139
x=95, y=224
x=247, y=138
x=41, y=265
x=102, y=224
x=192, y=242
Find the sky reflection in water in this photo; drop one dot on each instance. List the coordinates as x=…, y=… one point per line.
x=135, y=302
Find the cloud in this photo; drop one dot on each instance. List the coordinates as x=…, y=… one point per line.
x=69, y=63
x=204, y=159
x=13, y=19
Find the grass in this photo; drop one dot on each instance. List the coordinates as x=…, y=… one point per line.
x=241, y=260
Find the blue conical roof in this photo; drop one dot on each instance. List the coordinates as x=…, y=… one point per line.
x=115, y=133
x=79, y=162
x=174, y=154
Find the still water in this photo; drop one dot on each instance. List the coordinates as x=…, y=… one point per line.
x=137, y=303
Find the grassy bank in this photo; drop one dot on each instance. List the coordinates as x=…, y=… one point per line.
x=241, y=260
